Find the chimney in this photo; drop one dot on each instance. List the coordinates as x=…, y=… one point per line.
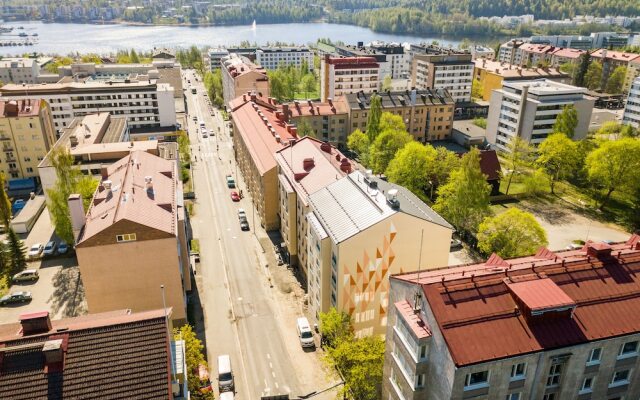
x=308, y=163
x=326, y=147
x=345, y=165
x=244, y=97
x=76, y=211
x=253, y=97
x=330, y=100
x=53, y=351
x=148, y=183
x=104, y=173
x=35, y=323
x=285, y=111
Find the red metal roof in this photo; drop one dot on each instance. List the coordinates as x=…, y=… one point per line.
x=540, y=294
x=419, y=328
x=615, y=55
x=471, y=303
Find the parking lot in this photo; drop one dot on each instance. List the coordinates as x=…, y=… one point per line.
x=58, y=289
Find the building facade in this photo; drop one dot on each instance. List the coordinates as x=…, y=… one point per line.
x=271, y=57
x=509, y=52
x=26, y=134
x=328, y=121
x=538, y=327
x=145, y=104
x=345, y=75
x=240, y=76
x=215, y=56
x=361, y=231
x=19, y=70
x=631, y=114
x=444, y=70
x=427, y=113
x=528, y=109
x=613, y=59
x=137, y=217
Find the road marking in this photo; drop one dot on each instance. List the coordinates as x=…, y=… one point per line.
x=271, y=365
x=265, y=384
x=268, y=356
x=277, y=386
x=273, y=374
x=239, y=298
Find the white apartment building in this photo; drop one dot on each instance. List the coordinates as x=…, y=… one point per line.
x=215, y=57
x=345, y=75
x=529, y=109
x=272, y=57
x=145, y=104
x=451, y=72
x=19, y=70
x=632, y=109
x=509, y=52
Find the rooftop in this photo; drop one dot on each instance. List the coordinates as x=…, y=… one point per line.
x=70, y=86
x=413, y=320
x=140, y=188
x=568, y=53
x=400, y=99
x=357, y=201
x=112, y=355
x=310, y=165
x=309, y=108
x=536, y=48
x=20, y=108
x=544, y=87
x=542, y=302
x=352, y=62
x=239, y=65
x=511, y=71
x=614, y=55
x=18, y=62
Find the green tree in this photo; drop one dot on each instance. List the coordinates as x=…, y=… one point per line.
x=358, y=142
x=91, y=58
x=387, y=83
x=593, y=77
x=581, y=70
x=569, y=69
x=133, y=56
x=16, y=251
x=304, y=129
x=464, y=199
x=373, y=119
x=308, y=84
x=613, y=130
x=411, y=166
x=514, y=233
x=616, y=80
x=335, y=327
x=392, y=138
x=614, y=166
x=194, y=358
x=360, y=361
x=519, y=154
x=476, y=89
x=558, y=156
x=446, y=162
x=567, y=121
x=5, y=204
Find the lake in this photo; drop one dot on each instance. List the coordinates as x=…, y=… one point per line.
x=104, y=39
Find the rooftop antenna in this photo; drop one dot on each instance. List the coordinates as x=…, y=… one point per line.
x=418, y=296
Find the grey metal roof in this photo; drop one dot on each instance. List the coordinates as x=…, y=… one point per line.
x=317, y=226
x=349, y=206
x=400, y=98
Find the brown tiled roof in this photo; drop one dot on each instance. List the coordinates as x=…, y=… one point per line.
x=471, y=303
x=114, y=355
x=615, y=55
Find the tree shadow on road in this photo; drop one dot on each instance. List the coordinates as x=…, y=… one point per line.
x=68, y=293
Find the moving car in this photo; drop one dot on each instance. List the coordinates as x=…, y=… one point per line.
x=15, y=297
x=50, y=248
x=235, y=196
x=63, y=247
x=28, y=275
x=231, y=183
x=35, y=251
x=244, y=225
x=242, y=214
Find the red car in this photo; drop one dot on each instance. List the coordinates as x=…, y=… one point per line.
x=235, y=196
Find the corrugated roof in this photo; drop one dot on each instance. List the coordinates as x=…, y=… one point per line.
x=470, y=303
x=400, y=98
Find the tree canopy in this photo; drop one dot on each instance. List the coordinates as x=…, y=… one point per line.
x=593, y=77
x=567, y=121
x=373, y=119
x=559, y=157
x=393, y=137
x=411, y=167
x=514, y=233
x=616, y=80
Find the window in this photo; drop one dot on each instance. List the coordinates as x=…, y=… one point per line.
x=423, y=352
x=629, y=349
x=476, y=380
x=513, y=396
x=620, y=378
x=587, y=384
x=518, y=371
x=594, y=356
x=419, y=381
x=549, y=396
x=29, y=169
x=127, y=237
x=553, y=379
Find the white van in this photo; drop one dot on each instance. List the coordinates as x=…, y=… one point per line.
x=304, y=333
x=226, y=396
x=225, y=375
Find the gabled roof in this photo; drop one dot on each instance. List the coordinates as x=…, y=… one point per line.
x=130, y=197
x=490, y=164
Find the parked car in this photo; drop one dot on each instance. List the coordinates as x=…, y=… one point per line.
x=195, y=118
x=35, y=251
x=196, y=256
x=244, y=225
x=231, y=183
x=455, y=244
x=242, y=214
x=50, y=248
x=28, y=275
x=15, y=297
x=235, y=196
x=63, y=247
x=17, y=205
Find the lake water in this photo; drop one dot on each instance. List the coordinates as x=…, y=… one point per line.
x=105, y=39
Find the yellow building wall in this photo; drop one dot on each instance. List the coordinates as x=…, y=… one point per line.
x=488, y=83
x=366, y=261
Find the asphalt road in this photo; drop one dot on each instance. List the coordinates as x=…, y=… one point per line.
x=242, y=318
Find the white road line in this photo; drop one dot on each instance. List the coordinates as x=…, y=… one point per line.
x=277, y=386
x=273, y=374
x=269, y=356
x=271, y=365
x=265, y=383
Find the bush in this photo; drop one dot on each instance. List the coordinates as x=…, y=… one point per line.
x=481, y=122
x=536, y=183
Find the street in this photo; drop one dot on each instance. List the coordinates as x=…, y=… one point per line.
x=243, y=312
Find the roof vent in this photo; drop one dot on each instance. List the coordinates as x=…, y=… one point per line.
x=107, y=184
x=392, y=198
x=34, y=323
x=278, y=138
x=598, y=250
x=345, y=166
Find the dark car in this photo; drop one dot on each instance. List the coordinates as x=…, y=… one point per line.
x=244, y=225
x=15, y=297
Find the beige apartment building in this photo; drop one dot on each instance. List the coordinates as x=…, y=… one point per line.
x=342, y=75
x=132, y=239
x=329, y=121
x=557, y=325
x=259, y=131
x=613, y=59
x=304, y=167
x=427, y=113
x=26, y=134
x=361, y=231
x=444, y=69
x=240, y=76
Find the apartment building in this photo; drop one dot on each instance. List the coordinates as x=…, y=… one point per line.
x=345, y=75
x=528, y=109
x=532, y=54
x=260, y=129
x=551, y=326
x=271, y=57
x=145, y=104
x=361, y=231
x=566, y=56
x=26, y=134
x=304, y=167
x=631, y=114
x=608, y=40
x=478, y=51
x=427, y=113
x=491, y=74
x=613, y=59
x=509, y=52
x=215, y=56
x=329, y=121
x=567, y=41
x=240, y=76
x=444, y=70
x=394, y=62
x=136, y=217
x=633, y=71
x=19, y=70
x=121, y=353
